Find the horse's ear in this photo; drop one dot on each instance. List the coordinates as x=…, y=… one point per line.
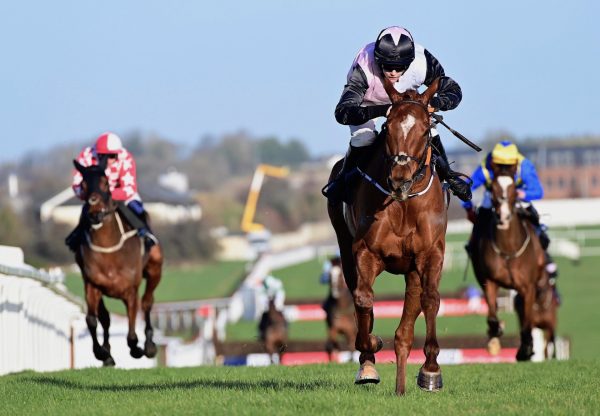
x=102, y=162
x=392, y=92
x=78, y=166
x=432, y=89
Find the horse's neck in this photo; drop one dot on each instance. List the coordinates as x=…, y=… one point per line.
x=109, y=233
x=275, y=316
x=512, y=238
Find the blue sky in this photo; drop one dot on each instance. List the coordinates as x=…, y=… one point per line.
x=184, y=69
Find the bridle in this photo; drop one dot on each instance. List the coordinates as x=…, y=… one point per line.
x=402, y=159
x=97, y=218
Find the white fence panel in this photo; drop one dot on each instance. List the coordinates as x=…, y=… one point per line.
x=35, y=326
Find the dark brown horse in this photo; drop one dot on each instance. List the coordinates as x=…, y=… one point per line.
x=113, y=263
x=396, y=223
x=341, y=319
x=275, y=333
x=507, y=253
x=545, y=311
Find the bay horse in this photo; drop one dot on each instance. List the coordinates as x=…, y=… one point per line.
x=507, y=253
x=340, y=311
x=397, y=223
x=275, y=333
x=545, y=311
x=113, y=263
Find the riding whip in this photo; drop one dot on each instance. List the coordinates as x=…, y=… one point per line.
x=440, y=119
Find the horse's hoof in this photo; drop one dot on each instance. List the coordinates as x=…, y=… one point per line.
x=109, y=362
x=150, y=349
x=430, y=381
x=525, y=353
x=367, y=374
x=136, y=352
x=101, y=354
x=494, y=346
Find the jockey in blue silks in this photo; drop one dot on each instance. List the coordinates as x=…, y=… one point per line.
x=529, y=188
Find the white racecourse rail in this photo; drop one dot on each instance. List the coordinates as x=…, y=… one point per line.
x=42, y=327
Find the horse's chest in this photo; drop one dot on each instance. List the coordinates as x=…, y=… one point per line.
x=111, y=281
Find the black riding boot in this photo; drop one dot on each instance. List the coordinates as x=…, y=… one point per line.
x=459, y=187
x=335, y=191
x=76, y=237
x=140, y=223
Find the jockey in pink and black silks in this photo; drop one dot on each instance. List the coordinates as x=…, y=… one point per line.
x=122, y=181
x=395, y=56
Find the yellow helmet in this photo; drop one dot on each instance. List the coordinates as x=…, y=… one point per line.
x=505, y=153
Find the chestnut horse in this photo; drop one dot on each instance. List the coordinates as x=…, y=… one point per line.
x=507, y=253
x=113, y=263
x=340, y=319
x=276, y=333
x=397, y=223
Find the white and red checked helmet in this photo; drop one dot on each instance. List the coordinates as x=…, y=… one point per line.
x=108, y=143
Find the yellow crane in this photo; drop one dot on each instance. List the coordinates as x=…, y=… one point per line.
x=248, y=225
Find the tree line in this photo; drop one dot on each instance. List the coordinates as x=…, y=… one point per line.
x=218, y=170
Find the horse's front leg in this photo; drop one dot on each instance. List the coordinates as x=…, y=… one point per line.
x=526, y=348
x=152, y=274
x=490, y=289
x=406, y=330
x=430, y=374
x=132, y=339
x=104, y=318
x=368, y=268
x=92, y=298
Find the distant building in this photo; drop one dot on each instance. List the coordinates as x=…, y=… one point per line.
x=567, y=169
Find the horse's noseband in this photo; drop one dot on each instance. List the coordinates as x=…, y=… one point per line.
x=401, y=159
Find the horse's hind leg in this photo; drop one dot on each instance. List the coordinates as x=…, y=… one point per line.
x=494, y=328
x=132, y=340
x=104, y=318
x=152, y=274
x=405, y=333
x=92, y=297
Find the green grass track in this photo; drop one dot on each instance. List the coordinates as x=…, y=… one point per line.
x=552, y=388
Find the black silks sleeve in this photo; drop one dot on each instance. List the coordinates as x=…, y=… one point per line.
x=349, y=110
x=449, y=93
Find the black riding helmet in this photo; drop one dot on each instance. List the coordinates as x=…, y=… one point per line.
x=394, y=48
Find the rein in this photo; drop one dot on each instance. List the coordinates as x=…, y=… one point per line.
x=124, y=237
x=510, y=256
x=392, y=194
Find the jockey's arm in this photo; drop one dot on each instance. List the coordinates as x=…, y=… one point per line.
x=349, y=110
x=532, y=186
x=478, y=179
x=449, y=94
x=127, y=184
